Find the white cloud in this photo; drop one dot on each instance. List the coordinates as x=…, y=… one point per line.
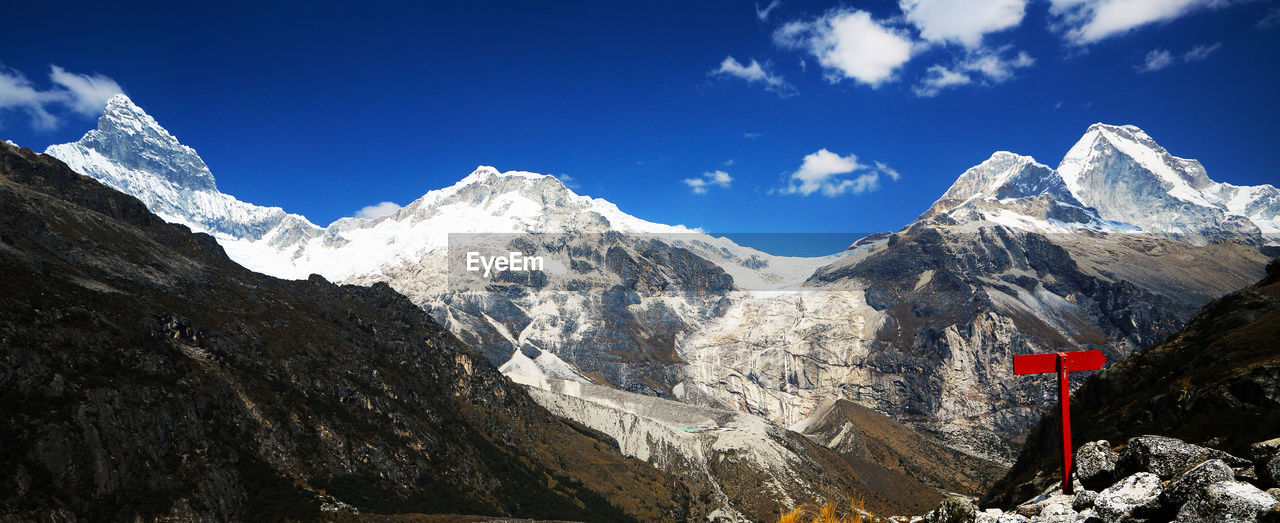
x=85, y=94
x=752, y=136
x=570, y=181
x=827, y=172
x=16, y=92
x=711, y=179
x=849, y=44
x=1087, y=21
x=763, y=14
x=893, y=173
x=989, y=66
x=1200, y=52
x=754, y=72
x=938, y=78
x=378, y=210
x=962, y=21
x=1271, y=20
x=1156, y=60
x=1159, y=59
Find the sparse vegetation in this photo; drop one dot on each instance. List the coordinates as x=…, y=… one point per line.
x=830, y=512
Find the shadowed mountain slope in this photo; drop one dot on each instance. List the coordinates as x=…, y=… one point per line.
x=143, y=374
x=1216, y=382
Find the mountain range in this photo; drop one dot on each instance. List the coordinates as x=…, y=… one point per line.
x=1116, y=248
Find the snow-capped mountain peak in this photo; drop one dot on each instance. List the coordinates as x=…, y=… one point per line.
x=131, y=137
x=1179, y=177
x=1115, y=178
x=1003, y=177
x=1126, y=176
x=131, y=152
x=1006, y=175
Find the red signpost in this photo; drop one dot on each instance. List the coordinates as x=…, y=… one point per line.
x=1061, y=363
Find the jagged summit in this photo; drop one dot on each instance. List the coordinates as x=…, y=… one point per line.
x=1128, y=177
x=1115, y=177
x=131, y=152
x=131, y=138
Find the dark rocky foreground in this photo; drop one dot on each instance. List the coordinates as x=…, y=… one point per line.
x=1148, y=478
x=1215, y=383
x=143, y=374
x=1212, y=393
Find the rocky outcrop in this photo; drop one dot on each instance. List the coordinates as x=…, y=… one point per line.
x=145, y=375
x=1173, y=481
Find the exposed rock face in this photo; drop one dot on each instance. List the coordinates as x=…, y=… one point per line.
x=953, y=303
x=1217, y=379
x=738, y=464
x=1133, y=497
x=145, y=375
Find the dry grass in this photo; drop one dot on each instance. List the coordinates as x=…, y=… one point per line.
x=829, y=512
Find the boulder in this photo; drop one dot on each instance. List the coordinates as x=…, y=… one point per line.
x=1168, y=457
x=987, y=517
x=1263, y=451
x=1195, y=480
x=1084, y=499
x=1270, y=473
x=1088, y=516
x=1132, y=497
x=953, y=510
x=1056, y=513
x=1095, y=464
x=1271, y=515
x=1033, y=508
x=1226, y=502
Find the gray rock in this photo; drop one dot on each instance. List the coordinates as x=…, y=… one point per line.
x=1271, y=515
x=1095, y=464
x=1263, y=451
x=987, y=517
x=1034, y=507
x=1084, y=499
x=953, y=510
x=1056, y=513
x=1168, y=457
x=1226, y=501
x=1195, y=480
x=1132, y=497
x=1088, y=516
x=1271, y=471
x=1274, y=492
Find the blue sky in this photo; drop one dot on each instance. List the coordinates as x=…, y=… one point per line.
x=716, y=114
